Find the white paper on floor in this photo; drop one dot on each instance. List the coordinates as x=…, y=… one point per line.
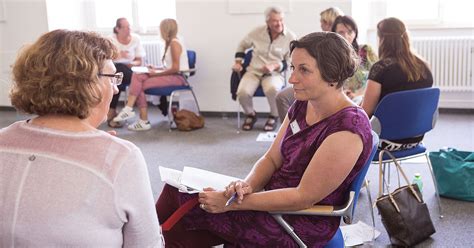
x=358, y=233
x=267, y=137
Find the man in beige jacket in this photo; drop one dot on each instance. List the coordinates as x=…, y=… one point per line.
x=270, y=44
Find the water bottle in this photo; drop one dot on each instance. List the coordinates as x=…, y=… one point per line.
x=174, y=107
x=417, y=181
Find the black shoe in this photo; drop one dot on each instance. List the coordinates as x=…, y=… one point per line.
x=163, y=106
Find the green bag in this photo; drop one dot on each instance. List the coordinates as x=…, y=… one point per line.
x=454, y=172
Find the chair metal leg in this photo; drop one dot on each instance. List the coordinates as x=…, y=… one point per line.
x=435, y=185
x=170, y=112
x=238, y=116
x=170, y=118
x=388, y=173
x=369, y=198
x=289, y=229
x=384, y=181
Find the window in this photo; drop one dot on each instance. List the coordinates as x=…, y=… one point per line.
x=446, y=13
x=107, y=12
x=415, y=12
x=151, y=12
x=142, y=14
x=100, y=15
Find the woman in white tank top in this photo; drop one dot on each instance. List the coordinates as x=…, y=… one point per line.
x=175, y=59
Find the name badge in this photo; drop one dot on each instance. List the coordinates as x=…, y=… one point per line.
x=294, y=127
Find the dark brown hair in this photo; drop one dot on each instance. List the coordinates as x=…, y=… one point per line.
x=348, y=22
x=58, y=74
x=335, y=57
x=394, y=43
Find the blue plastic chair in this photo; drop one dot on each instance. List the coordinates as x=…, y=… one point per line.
x=171, y=91
x=346, y=211
x=406, y=114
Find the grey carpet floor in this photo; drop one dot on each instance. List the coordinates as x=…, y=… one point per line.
x=219, y=148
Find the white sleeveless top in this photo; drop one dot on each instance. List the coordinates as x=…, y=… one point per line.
x=183, y=58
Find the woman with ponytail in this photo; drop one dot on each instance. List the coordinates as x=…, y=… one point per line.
x=175, y=59
x=398, y=69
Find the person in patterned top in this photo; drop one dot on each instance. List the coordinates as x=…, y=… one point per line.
x=322, y=145
x=354, y=87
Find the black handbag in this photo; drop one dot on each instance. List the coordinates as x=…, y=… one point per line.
x=404, y=214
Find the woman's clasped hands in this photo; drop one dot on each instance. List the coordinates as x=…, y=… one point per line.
x=213, y=201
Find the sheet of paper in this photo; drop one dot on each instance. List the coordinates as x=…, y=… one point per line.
x=358, y=233
x=267, y=137
x=140, y=69
x=199, y=179
x=173, y=178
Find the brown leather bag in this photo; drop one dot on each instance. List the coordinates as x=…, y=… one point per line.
x=187, y=120
x=404, y=214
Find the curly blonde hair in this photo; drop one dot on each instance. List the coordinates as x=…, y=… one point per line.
x=58, y=74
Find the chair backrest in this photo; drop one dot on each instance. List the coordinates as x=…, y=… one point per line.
x=191, y=61
x=406, y=114
x=235, y=76
x=360, y=178
x=247, y=59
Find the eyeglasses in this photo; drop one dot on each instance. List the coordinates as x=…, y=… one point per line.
x=116, y=78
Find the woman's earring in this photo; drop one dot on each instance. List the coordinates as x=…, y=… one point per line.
x=331, y=85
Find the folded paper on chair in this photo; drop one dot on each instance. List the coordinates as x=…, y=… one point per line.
x=144, y=69
x=193, y=180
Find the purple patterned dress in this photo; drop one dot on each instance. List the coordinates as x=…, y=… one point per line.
x=259, y=229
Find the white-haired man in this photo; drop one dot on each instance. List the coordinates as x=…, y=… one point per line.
x=270, y=44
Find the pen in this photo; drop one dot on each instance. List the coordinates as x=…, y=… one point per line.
x=231, y=199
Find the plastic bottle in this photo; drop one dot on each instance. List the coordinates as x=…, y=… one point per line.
x=417, y=180
x=174, y=107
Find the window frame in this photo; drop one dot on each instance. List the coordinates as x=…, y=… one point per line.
x=134, y=20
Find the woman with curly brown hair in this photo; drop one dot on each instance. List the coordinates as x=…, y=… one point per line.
x=62, y=181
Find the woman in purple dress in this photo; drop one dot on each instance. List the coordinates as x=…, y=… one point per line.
x=320, y=147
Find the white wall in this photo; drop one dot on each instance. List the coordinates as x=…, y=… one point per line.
x=25, y=21
x=67, y=14
x=209, y=29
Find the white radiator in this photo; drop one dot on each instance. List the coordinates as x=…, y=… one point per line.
x=451, y=60
x=153, y=51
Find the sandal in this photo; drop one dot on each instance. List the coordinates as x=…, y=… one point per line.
x=271, y=123
x=249, y=122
